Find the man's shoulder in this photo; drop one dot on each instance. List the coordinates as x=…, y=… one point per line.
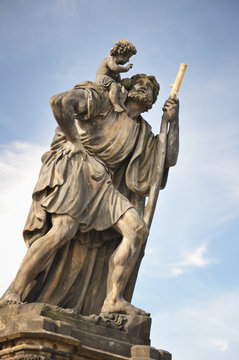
x=87, y=85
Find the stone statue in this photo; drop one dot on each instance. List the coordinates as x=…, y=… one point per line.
x=86, y=230
x=108, y=73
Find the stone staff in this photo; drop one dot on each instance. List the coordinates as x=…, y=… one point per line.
x=162, y=137
x=157, y=182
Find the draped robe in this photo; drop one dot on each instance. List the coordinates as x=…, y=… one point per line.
x=121, y=160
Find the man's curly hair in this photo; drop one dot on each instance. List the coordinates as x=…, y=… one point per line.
x=123, y=47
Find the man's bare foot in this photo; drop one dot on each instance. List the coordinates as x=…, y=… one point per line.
x=10, y=298
x=118, y=108
x=123, y=307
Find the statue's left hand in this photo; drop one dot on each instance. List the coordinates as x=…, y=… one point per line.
x=171, y=109
x=74, y=148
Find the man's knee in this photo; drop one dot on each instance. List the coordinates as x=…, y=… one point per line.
x=135, y=226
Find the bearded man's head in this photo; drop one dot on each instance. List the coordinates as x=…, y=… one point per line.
x=137, y=87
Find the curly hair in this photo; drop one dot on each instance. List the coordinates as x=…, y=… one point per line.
x=123, y=47
x=129, y=82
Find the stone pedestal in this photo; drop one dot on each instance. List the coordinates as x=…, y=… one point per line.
x=44, y=332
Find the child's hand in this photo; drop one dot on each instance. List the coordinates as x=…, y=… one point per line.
x=129, y=66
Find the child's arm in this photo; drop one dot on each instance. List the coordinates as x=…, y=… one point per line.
x=115, y=67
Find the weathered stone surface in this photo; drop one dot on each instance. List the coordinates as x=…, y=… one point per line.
x=114, y=334
x=144, y=352
x=50, y=346
x=38, y=346
x=164, y=355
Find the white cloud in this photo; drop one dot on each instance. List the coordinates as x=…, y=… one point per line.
x=196, y=258
x=187, y=261
x=19, y=168
x=176, y=271
x=219, y=344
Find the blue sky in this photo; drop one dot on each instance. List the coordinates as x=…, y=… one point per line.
x=189, y=276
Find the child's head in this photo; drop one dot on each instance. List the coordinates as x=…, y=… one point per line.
x=124, y=49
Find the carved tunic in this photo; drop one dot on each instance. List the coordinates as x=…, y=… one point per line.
x=111, y=138
x=86, y=191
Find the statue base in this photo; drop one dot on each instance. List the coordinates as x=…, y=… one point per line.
x=37, y=331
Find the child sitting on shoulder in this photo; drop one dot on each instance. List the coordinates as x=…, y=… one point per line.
x=108, y=73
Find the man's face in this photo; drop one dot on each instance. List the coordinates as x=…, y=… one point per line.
x=142, y=91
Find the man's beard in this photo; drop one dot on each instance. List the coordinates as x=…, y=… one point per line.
x=142, y=98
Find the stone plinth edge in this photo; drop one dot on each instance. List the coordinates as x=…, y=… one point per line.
x=45, y=332
x=144, y=352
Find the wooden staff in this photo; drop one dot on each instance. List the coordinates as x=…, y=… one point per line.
x=155, y=188
x=178, y=81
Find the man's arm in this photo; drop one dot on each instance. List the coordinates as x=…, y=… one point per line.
x=171, y=111
x=64, y=107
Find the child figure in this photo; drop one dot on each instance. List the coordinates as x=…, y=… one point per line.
x=108, y=73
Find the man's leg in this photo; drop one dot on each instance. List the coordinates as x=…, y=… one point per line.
x=63, y=228
x=122, y=262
